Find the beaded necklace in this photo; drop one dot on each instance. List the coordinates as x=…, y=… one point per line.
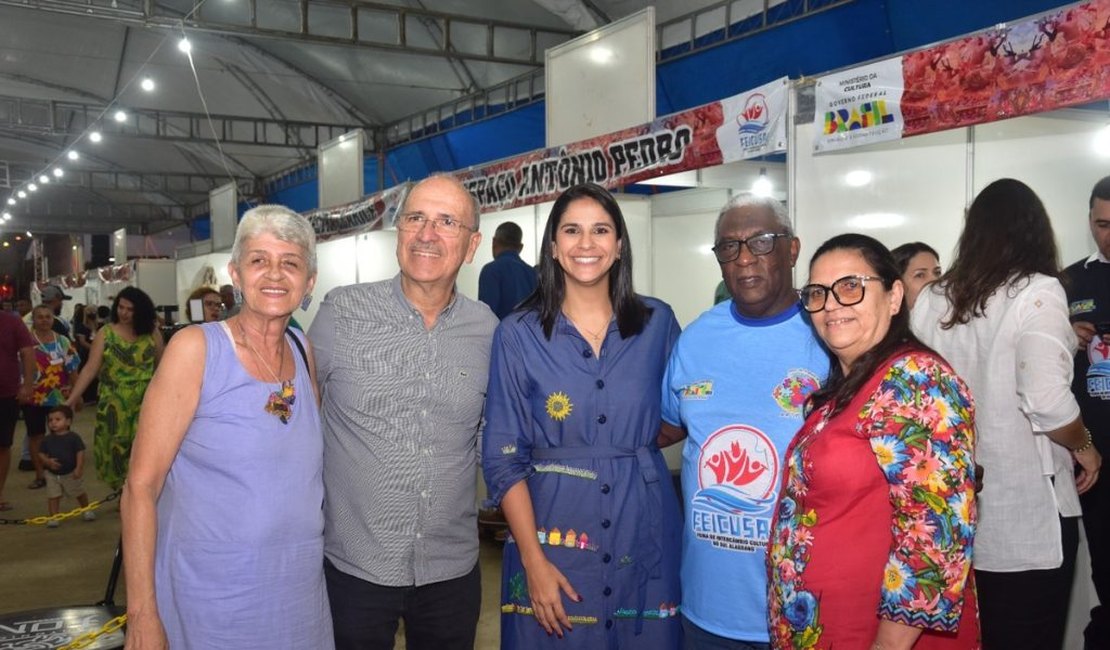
x=280, y=402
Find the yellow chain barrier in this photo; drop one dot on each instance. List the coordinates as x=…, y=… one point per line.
x=62, y=516
x=88, y=638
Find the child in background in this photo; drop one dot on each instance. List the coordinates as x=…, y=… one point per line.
x=63, y=456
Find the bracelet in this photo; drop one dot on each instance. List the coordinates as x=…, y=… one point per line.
x=1086, y=445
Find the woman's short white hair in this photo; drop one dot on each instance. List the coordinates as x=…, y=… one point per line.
x=282, y=223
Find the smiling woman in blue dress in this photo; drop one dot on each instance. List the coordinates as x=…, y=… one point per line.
x=569, y=446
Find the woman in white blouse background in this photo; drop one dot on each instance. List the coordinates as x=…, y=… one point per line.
x=1000, y=317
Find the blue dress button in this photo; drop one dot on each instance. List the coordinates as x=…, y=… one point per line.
x=607, y=558
x=605, y=488
x=587, y=353
x=607, y=591
x=601, y=419
x=600, y=383
x=609, y=625
x=605, y=523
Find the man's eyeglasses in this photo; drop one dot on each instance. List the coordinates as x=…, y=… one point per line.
x=848, y=291
x=445, y=226
x=727, y=250
x=214, y=303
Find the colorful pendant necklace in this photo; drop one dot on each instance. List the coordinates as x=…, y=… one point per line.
x=280, y=402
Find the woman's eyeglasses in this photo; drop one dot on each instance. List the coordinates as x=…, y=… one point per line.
x=848, y=291
x=727, y=250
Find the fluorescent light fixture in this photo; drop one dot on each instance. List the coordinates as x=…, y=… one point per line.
x=95, y=136
x=858, y=178
x=21, y=194
x=147, y=84
x=33, y=187
x=680, y=179
x=120, y=116
x=7, y=215
x=72, y=154
x=44, y=179
x=58, y=172
x=763, y=185
x=11, y=201
x=184, y=45
x=29, y=234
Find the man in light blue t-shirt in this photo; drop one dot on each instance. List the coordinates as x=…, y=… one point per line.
x=735, y=386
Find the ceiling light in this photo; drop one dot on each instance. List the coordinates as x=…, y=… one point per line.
x=120, y=116
x=44, y=179
x=7, y=215
x=1102, y=141
x=762, y=185
x=11, y=201
x=29, y=234
x=75, y=247
x=858, y=178
x=184, y=45
x=95, y=136
x=21, y=194
x=147, y=84
x=33, y=187
x=6, y=244
x=72, y=155
x=18, y=238
x=58, y=172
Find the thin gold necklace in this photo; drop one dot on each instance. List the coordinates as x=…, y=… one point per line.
x=594, y=336
x=280, y=402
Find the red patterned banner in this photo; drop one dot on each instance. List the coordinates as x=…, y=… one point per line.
x=1055, y=61
x=670, y=144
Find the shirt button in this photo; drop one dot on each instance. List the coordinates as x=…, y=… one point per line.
x=424, y=493
x=587, y=353
x=605, y=523
x=605, y=488
x=609, y=624
x=606, y=558
x=419, y=535
x=607, y=591
x=601, y=419
x=600, y=383
x=423, y=413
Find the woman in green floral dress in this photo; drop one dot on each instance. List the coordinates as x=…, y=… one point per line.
x=124, y=354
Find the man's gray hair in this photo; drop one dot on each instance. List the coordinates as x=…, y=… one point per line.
x=282, y=223
x=475, y=207
x=746, y=199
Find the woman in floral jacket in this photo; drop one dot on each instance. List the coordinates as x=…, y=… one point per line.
x=871, y=544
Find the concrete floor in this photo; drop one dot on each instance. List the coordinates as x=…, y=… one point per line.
x=55, y=567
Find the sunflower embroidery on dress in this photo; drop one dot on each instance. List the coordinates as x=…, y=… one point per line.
x=559, y=406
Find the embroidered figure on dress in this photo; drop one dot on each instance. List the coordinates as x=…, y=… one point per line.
x=559, y=406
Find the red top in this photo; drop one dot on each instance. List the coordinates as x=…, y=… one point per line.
x=14, y=336
x=877, y=514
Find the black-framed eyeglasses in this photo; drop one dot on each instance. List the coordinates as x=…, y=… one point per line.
x=445, y=226
x=727, y=250
x=848, y=291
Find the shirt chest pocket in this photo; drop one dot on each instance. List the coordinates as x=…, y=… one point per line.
x=463, y=389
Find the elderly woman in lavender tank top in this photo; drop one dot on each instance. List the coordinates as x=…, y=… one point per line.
x=222, y=520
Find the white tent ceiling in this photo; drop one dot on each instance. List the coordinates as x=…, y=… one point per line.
x=278, y=77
